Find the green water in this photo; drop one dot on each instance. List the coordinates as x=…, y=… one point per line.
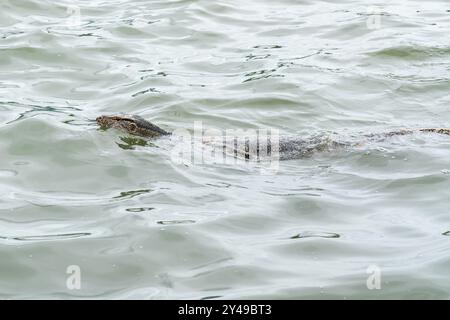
x=139, y=225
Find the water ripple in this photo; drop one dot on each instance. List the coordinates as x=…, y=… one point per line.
x=312, y=234
x=47, y=237
x=215, y=231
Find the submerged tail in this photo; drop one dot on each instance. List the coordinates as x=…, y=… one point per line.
x=437, y=130
x=384, y=135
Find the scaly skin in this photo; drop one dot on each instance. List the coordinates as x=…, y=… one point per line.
x=131, y=124
x=288, y=147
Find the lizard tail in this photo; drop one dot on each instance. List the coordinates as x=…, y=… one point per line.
x=437, y=130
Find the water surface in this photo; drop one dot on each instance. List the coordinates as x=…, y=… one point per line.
x=141, y=226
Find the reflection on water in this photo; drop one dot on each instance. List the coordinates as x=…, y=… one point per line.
x=130, y=142
x=141, y=226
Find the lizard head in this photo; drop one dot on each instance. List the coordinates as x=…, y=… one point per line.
x=131, y=124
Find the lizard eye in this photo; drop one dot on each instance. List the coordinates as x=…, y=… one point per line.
x=132, y=127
